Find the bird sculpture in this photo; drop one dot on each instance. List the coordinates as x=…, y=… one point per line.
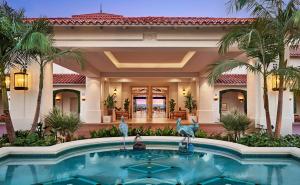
x=186, y=131
x=123, y=127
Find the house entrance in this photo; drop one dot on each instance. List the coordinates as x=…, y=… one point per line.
x=149, y=102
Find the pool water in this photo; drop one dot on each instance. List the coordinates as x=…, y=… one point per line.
x=149, y=167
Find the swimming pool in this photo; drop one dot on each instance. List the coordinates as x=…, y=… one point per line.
x=100, y=161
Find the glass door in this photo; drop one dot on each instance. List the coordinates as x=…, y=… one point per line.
x=159, y=102
x=139, y=102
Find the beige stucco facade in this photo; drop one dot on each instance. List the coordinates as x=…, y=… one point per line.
x=122, y=57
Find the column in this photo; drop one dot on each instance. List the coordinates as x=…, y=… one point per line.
x=93, y=100
x=206, y=111
x=255, y=110
x=47, y=97
x=23, y=102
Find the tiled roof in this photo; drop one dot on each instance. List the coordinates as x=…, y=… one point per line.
x=112, y=19
x=68, y=79
x=232, y=79
x=295, y=53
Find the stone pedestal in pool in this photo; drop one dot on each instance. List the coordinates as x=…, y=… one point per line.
x=138, y=143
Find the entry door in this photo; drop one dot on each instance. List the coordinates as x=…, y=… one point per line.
x=140, y=105
x=159, y=105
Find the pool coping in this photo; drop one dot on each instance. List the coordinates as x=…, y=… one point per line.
x=242, y=150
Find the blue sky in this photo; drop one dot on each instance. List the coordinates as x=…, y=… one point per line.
x=66, y=8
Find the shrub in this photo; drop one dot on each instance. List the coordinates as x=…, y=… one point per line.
x=62, y=124
x=33, y=139
x=235, y=123
x=264, y=140
x=114, y=132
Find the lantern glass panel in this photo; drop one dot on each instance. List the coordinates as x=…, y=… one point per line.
x=21, y=81
x=7, y=82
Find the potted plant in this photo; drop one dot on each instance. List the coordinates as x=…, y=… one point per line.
x=172, y=105
x=191, y=105
x=126, y=105
x=110, y=104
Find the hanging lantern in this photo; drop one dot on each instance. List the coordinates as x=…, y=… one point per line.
x=21, y=80
x=241, y=98
x=115, y=92
x=275, y=83
x=7, y=82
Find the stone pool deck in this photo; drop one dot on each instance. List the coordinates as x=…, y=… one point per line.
x=222, y=145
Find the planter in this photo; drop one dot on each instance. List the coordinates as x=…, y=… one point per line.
x=106, y=119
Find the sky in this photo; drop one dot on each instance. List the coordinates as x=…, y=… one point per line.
x=66, y=8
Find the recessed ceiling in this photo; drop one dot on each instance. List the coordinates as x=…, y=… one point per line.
x=151, y=61
x=147, y=60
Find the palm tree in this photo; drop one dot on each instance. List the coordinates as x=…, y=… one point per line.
x=11, y=28
x=283, y=22
x=38, y=42
x=256, y=43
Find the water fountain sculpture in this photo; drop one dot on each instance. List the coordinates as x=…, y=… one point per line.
x=138, y=143
x=187, y=131
x=124, y=130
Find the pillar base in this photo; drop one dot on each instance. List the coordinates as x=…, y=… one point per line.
x=207, y=116
x=93, y=116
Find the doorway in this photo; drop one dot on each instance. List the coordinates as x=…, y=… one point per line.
x=159, y=107
x=140, y=106
x=149, y=102
x=139, y=102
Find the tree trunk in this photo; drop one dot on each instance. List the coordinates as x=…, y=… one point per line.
x=267, y=107
x=8, y=123
x=282, y=64
x=39, y=100
x=279, y=108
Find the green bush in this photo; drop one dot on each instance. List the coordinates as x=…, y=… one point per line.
x=114, y=132
x=62, y=124
x=264, y=140
x=235, y=123
x=33, y=139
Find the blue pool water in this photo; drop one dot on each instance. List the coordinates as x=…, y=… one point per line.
x=94, y=166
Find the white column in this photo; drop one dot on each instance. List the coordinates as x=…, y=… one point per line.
x=47, y=97
x=255, y=106
x=93, y=100
x=206, y=110
x=255, y=110
x=23, y=103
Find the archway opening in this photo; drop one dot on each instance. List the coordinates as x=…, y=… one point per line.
x=67, y=100
x=233, y=99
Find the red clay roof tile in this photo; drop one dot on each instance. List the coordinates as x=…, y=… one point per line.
x=112, y=19
x=68, y=79
x=232, y=79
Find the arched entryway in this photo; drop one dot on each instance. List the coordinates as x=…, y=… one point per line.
x=67, y=100
x=233, y=99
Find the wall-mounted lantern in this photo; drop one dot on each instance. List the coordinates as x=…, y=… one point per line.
x=83, y=97
x=115, y=92
x=183, y=92
x=216, y=98
x=7, y=82
x=276, y=80
x=21, y=80
x=275, y=83
x=57, y=98
x=241, y=98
